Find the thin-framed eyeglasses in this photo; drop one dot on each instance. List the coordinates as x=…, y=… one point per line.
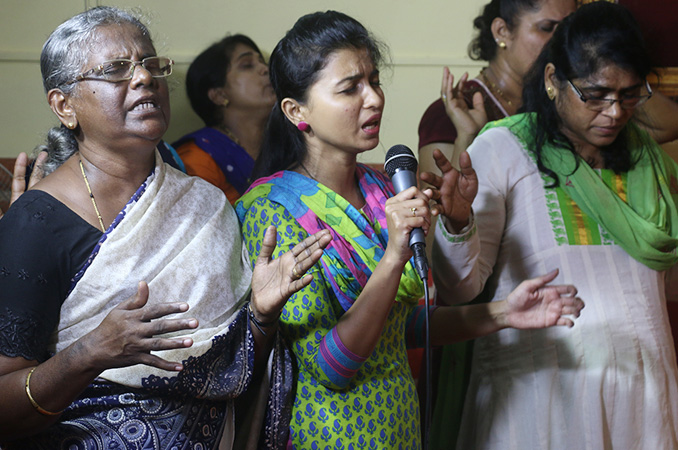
x=625, y=101
x=117, y=70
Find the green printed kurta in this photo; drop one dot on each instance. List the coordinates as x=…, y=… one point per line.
x=378, y=408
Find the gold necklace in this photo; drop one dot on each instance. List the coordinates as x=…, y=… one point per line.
x=229, y=133
x=495, y=88
x=91, y=196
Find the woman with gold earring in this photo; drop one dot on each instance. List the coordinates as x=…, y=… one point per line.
x=511, y=33
x=229, y=89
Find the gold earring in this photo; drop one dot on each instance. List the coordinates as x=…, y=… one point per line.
x=70, y=125
x=550, y=92
x=226, y=102
x=501, y=44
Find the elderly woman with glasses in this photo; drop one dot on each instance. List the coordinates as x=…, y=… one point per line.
x=129, y=315
x=572, y=183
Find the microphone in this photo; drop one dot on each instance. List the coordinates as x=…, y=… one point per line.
x=401, y=167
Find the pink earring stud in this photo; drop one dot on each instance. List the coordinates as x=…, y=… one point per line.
x=302, y=126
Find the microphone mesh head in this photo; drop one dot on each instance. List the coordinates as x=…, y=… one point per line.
x=399, y=157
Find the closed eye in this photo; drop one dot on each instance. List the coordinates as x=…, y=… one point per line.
x=114, y=68
x=548, y=26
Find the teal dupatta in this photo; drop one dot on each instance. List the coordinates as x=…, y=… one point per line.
x=358, y=238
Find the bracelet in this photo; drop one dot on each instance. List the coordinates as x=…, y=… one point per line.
x=38, y=408
x=257, y=323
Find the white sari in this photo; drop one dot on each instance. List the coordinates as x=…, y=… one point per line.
x=181, y=236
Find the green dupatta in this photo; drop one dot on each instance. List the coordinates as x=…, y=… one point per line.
x=646, y=225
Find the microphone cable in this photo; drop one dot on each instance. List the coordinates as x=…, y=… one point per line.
x=427, y=368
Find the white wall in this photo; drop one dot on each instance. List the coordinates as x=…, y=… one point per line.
x=423, y=37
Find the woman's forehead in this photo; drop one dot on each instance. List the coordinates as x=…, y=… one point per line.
x=612, y=76
x=118, y=39
x=348, y=61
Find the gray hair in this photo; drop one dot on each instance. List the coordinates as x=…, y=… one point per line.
x=61, y=60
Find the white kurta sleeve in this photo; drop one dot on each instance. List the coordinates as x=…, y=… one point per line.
x=461, y=264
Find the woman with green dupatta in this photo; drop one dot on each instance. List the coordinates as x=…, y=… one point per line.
x=572, y=183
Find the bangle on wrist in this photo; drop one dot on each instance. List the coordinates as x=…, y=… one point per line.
x=257, y=323
x=37, y=407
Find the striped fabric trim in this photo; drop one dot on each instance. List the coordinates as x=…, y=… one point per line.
x=464, y=235
x=336, y=361
x=581, y=229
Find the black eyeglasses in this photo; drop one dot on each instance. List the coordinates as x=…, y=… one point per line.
x=123, y=69
x=625, y=101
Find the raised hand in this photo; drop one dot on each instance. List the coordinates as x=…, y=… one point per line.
x=533, y=304
x=468, y=121
x=275, y=280
x=19, y=175
x=128, y=333
x=455, y=189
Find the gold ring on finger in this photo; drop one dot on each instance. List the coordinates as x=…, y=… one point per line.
x=295, y=273
x=414, y=211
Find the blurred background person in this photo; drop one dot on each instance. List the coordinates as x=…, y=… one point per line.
x=229, y=88
x=510, y=34
x=18, y=183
